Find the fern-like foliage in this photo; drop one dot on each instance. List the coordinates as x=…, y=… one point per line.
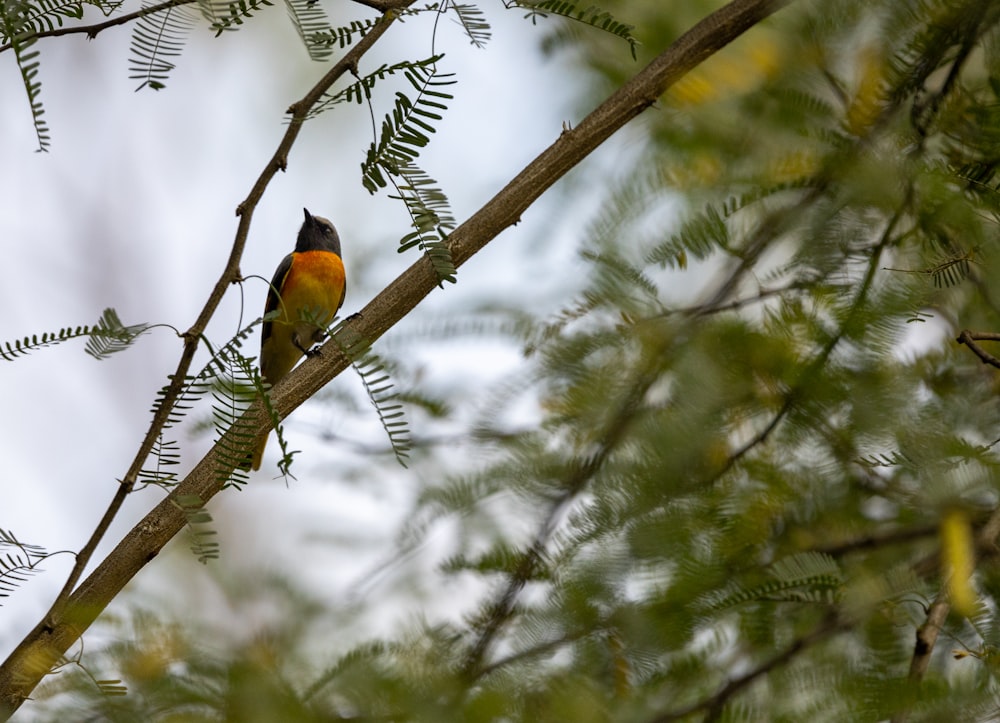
x=700, y=236
x=946, y=271
x=167, y=455
x=105, y=337
x=404, y=132
x=345, y=35
x=203, y=543
x=47, y=15
x=473, y=22
x=16, y=23
x=361, y=91
x=590, y=15
x=805, y=577
x=234, y=14
x=156, y=39
x=312, y=25
x=375, y=378
x=431, y=217
x=18, y=560
x=883, y=460
x=109, y=336
x=236, y=383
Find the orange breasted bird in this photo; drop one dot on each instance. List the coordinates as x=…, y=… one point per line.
x=308, y=290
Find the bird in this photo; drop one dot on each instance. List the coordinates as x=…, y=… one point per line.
x=307, y=291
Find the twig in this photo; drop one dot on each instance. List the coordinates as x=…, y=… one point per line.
x=91, y=31
x=714, y=704
x=502, y=611
x=876, y=540
x=937, y=613
x=969, y=338
x=927, y=635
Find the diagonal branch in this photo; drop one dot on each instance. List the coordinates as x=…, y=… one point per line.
x=937, y=612
x=21, y=672
x=501, y=612
x=969, y=338
x=713, y=705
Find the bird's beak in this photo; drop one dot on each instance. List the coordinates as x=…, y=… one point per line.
x=308, y=215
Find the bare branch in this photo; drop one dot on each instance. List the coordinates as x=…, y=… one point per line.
x=927, y=635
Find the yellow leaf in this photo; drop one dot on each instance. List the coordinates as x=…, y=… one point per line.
x=959, y=558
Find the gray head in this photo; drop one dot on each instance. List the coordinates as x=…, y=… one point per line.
x=317, y=234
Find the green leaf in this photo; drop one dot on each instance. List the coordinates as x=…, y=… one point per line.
x=156, y=38
x=16, y=22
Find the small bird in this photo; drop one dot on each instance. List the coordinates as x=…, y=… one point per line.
x=308, y=288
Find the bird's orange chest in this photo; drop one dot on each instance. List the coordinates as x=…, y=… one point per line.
x=315, y=282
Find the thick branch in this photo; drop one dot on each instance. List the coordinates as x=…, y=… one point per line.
x=21, y=672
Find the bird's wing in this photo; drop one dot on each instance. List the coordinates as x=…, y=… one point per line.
x=272, y=295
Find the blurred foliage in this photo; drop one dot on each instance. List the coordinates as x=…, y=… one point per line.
x=742, y=496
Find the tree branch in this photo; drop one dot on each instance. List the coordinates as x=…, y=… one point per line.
x=937, y=613
x=32, y=659
x=969, y=338
x=580, y=475
x=91, y=31
x=714, y=704
x=876, y=540
x=927, y=635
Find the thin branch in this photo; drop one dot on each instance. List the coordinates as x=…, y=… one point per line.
x=877, y=540
x=384, y=6
x=937, y=613
x=820, y=360
x=969, y=338
x=539, y=649
x=923, y=648
x=501, y=612
x=32, y=659
x=713, y=705
x=91, y=31
x=761, y=296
